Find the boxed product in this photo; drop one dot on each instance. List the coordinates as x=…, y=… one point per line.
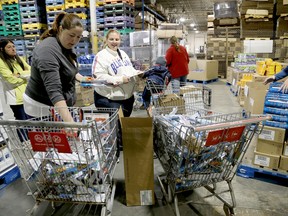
x=137, y=136
x=283, y=165
x=171, y=100
x=255, y=93
x=273, y=134
x=269, y=147
x=266, y=160
x=203, y=70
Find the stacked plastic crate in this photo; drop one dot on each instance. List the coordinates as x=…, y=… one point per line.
x=12, y=18
x=2, y=23
x=81, y=8
x=33, y=16
x=100, y=22
x=53, y=7
x=276, y=104
x=119, y=16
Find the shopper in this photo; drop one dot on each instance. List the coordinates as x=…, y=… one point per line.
x=14, y=72
x=54, y=69
x=114, y=67
x=282, y=74
x=158, y=77
x=177, y=61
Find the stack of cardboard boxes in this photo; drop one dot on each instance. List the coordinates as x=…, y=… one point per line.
x=271, y=149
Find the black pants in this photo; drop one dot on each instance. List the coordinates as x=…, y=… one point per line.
x=127, y=107
x=20, y=114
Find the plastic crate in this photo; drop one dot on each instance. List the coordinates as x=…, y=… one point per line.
x=9, y=176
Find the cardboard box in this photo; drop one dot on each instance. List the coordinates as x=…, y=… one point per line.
x=137, y=136
x=255, y=93
x=169, y=33
x=269, y=147
x=203, y=70
x=283, y=163
x=85, y=96
x=188, y=88
x=273, y=134
x=266, y=160
x=171, y=100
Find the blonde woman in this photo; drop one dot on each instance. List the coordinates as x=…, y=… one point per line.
x=114, y=67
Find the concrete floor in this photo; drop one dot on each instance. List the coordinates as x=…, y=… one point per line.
x=253, y=197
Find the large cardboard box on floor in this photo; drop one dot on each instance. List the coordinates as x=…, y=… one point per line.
x=137, y=136
x=283, y=165
x=255, y=93
x=266, y=160
x=203, y=70
x=269, y=147
x=273, y=134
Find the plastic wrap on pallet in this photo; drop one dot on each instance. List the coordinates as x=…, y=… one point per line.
x=142, y=38
x=226, y=9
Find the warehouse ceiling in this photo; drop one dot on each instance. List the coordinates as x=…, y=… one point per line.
x=194, y=11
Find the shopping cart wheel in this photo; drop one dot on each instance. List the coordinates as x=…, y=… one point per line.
x=105, y=211
x=228, y=210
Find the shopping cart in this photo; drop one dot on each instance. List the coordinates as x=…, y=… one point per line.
x=67, y=162
x=164, y=95
x=200, y=148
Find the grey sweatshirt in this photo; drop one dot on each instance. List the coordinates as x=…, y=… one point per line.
x=52, y=74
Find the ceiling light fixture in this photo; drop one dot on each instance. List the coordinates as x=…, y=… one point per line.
x=182, y=19
x=192, y=24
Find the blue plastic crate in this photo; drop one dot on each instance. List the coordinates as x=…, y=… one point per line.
x=9, y=176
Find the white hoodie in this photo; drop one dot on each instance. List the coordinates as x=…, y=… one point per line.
x=108, y=66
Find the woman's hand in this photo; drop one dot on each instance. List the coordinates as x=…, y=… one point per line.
x=269, y=80
x=126, y=79
x=284, y=87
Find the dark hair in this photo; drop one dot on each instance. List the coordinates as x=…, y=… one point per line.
x=6, y=58
x=66, y=20
x=174, y=42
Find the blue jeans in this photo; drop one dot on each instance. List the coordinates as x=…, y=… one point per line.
x=178, y=82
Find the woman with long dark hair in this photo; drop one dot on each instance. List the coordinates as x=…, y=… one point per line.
x=14, y=72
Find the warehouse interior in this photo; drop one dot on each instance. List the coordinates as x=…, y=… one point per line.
x=233, y=46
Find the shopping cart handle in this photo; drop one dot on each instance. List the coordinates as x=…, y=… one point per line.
x=233, y=123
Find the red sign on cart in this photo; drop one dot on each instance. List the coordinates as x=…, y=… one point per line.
x=224, y=135
x=41, y=141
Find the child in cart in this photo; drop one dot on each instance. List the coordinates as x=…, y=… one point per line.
x=158, y=77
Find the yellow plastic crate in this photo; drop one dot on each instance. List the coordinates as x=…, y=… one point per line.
x=260, y=68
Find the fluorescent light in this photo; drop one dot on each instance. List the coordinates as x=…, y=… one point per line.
x=192, y=24
x=196, y=32
x=182, y=19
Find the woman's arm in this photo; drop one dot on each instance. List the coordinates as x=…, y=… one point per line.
x=63, y=110
x=9, y=77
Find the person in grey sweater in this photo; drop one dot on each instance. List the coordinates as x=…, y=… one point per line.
x=54, y=68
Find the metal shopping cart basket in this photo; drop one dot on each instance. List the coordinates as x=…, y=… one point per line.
x=67, y=162
x=199, y=148
x=190, y=93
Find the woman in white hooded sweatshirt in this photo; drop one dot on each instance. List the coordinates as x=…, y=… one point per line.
x=113, y=66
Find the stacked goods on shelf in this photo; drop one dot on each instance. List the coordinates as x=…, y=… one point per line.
x=53, y=7
x=257, y=19
x=282, y=7
x=167, y=30
x=226, y=17
x=144, y=46
x=271, y=149
x=12, y=19
x=2, y=23
x=81, y=8
x=276, y=104
x=33, y=17
x=119, y=16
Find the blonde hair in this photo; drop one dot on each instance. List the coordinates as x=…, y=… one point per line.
x=174, y=42
x=110, y=31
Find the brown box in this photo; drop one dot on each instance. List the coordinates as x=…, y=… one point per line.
x=171, y=100
x=269, y=147
x=255, y=93
x=273, y=134
x=169, y=33
x=283, y=165
x=137, y=136
x=266, y=160
x=203, y=70
x=188, y=88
